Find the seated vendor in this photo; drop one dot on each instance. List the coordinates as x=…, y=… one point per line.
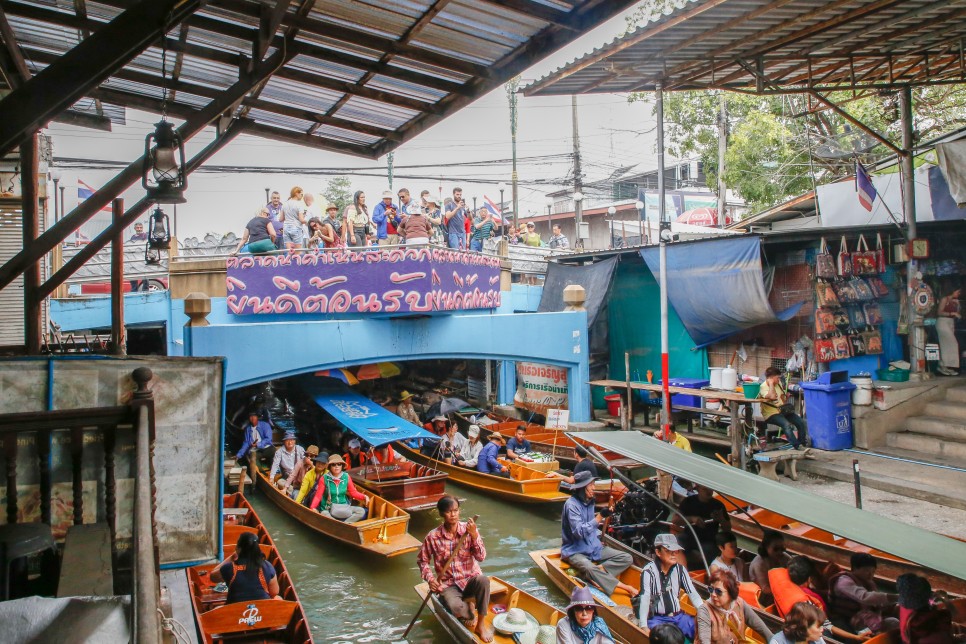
x=777, y=411
x=518, y=445
x=471, y=452
x=487, y=461
x=706, y=515
x=584, y=464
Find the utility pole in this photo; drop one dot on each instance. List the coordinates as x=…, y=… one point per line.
x=578, y=203
x=917, y=332
x=511, y=94
x=722, y=148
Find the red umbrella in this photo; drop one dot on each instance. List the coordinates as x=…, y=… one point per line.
x=702, y=217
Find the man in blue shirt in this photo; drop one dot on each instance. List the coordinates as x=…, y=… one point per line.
x=487, y=463
x=380, y=217
x=257, y=440
x=581, y=546
x=454, y=219
x=518, y=445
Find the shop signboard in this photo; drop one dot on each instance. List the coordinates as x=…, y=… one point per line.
x=541, y=387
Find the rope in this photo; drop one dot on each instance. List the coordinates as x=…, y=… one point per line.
x=170, y=624
x=906, y=460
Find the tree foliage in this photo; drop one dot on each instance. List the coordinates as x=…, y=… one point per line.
x=780, y=146
x=338, y=190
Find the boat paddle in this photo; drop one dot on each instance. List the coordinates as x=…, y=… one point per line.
x=628, y=481
x=439, y=575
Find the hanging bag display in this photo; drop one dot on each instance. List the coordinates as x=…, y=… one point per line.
x=880, y=258
x=863, y=292
x=824, y=350
x=824, y=322
x=857, y=344
x=878, y=286
x=873, y=342
x=825, y=295
x=841, y=319
x=856, y=317
x=845, y=292
x=863, y=259
x=824, y=263
x=873, y=314
x=842, y=347
x=844, y=260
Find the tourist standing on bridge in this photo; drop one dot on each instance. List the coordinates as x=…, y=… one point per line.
x=382, y=216
x=462, y=585
x=558, y=239
x=581, y=546
x=454, y=219
x=482, y=229
x=274, y=207
x=293, y=216
x=531, y=237
x=416, y=229
x=329, y=229
x=437, y=235
x=356, y=220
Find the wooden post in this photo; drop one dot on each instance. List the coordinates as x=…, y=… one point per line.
x=627, y=422
x=117, y=283
x=147, y=591
x=735, y=432
x=29, y=159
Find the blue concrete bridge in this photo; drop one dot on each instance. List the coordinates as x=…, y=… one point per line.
x=270, y=345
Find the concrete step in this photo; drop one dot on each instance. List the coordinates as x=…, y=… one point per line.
x=956, y=394
x=946, y=409
x=947, y=428
x=926, y=444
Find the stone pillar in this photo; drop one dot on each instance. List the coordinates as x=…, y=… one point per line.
x=197, y=306
x=508, y=382
x=574, y=297
x=506, y=275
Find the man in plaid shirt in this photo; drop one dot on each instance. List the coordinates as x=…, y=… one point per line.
x=463, y=587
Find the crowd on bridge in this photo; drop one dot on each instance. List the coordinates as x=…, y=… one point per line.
x=297, y=224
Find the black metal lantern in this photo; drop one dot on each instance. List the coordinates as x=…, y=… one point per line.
x=159, y=235
x=152, y=256
x=164, y=176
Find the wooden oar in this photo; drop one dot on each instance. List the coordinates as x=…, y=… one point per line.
x=439, y=575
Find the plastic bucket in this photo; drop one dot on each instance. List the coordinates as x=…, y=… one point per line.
x=715, y=377
x=751, y=389
x=862, y=394
x=613, y=404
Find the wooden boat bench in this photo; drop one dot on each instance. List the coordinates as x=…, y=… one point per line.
x=86, y=568
x=768, y=463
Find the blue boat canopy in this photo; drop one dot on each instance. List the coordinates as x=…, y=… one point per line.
x=923, y=547
x=364, y=418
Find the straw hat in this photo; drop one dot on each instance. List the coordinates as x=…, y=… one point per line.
x=405, y=395
x=312, y=450
x=335, y=458
x=547, y=635
x=519, y=621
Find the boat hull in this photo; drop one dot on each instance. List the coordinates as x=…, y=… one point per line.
x=527, y=486
x=501, y=592
x=407, y=485
x=385, y=534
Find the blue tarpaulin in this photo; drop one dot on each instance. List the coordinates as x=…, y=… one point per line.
x=364, y=418
x=716, y=286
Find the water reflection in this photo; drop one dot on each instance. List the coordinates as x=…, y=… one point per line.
x=353, y=597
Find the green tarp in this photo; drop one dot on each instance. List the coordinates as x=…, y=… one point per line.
x=925, y=548
x=634, y=319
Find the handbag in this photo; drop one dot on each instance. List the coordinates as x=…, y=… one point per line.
x=824, y=263
x=824, y=351
x=863, y=292
x=878, y=286
x=857, y=344
x=880, y=259
x=845, y=291
x=824, y=322
x=856, y=317
x=842, y=347
x=873, y=342
x=841, y=319
x=873, y=314
x=825, y=295
x=863, y=259
x=844, y=260
x=340, y=511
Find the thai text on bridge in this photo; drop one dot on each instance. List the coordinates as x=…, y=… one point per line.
x=397, y=280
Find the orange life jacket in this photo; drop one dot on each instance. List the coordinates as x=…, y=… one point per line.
x=786, y=592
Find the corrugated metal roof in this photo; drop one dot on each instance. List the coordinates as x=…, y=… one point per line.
x=352, y=68
x=771, y=46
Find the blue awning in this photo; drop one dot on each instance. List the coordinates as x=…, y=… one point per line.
x=364, y=418
x=716, y=286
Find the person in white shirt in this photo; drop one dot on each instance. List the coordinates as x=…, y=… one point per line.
x=728, y=559
x=453, y=443
x=286, y=459
x=662, y=581
x=471, y=452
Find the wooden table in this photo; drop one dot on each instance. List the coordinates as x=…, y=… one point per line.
x=739, y=400
x=540, y=466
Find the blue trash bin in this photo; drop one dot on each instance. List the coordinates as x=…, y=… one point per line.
x=828, y=403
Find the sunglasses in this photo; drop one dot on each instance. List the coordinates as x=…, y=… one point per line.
x=583, y=609
x=718, y=592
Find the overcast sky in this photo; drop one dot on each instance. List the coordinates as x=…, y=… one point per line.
x=613, y=133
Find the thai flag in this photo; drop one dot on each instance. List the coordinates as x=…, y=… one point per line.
x=84, y=192
x=494, y=210
x=864, y=187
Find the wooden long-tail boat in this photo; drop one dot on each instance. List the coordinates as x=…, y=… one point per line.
x=818, y=544
x=542, y=439
x=524, y=484
x=502, y=593
x=262, y=621
x=384, y=532
x=407, y=485
x=616, y=611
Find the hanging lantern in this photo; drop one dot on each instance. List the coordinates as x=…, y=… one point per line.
x=159, y=235
x=164, y=176
x=152, y=256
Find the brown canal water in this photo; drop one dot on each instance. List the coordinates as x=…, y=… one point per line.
x=354, y=597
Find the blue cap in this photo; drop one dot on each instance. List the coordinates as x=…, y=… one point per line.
x=289, y=435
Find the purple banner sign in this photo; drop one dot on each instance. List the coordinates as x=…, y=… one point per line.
x=400, y=280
